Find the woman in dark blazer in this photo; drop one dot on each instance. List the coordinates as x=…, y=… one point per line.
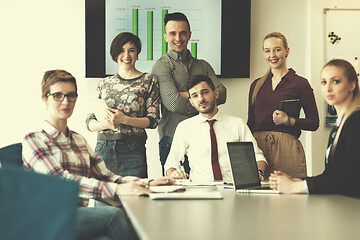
x=340, y=88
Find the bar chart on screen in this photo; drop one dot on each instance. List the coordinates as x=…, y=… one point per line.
x=145, y=19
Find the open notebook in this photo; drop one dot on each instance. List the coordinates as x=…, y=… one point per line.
x=244, y=169
x=188, y=195
x=167, y=189
x=178, y=192
x=98, y=107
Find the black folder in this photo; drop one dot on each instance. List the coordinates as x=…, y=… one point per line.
x=291, y=107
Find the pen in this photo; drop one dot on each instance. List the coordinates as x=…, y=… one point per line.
x=228, y=183
x=182, y=168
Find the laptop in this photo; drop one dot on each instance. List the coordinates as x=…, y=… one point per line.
x=244, y=168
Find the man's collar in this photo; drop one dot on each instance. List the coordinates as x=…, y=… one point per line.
x=218, y=117
x=177, y=56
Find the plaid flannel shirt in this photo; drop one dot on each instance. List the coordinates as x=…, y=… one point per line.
x=49, y=151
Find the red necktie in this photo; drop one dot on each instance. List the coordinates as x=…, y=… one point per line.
x=214, y=152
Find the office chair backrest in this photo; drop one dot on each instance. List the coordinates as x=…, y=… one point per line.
x=36, y=206
x=11, y=155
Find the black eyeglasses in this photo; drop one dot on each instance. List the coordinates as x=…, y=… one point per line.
x=71, y=97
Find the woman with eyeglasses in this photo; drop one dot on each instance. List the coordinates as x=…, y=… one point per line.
x=57, y=150
x=133, y=98
x=340, y=88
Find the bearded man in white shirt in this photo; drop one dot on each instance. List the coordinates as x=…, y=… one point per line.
x=192, y=136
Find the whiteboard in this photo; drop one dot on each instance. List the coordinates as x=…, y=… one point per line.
x=341, y=40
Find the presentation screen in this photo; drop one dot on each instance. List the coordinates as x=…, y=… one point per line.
x=220, y=33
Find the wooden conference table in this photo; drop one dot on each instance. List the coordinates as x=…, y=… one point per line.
x=246, y=216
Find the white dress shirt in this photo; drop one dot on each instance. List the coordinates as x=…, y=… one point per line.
x=192, y=138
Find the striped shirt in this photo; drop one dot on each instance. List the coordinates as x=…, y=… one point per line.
x=49, y=151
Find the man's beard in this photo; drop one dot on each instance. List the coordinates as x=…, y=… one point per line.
x=209, y=110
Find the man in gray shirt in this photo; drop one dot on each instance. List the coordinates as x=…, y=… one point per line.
x=173, y=70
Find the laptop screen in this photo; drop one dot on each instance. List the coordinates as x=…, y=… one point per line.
x=243, y=164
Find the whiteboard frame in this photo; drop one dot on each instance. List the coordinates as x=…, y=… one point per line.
x=325, y=52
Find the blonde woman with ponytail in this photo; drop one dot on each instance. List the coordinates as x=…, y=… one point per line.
x=275, y=132
x=340, y=88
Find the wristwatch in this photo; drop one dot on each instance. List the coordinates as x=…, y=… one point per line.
x=147, y=181
x=261, y=172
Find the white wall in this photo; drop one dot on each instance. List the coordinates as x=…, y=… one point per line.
x=266, y=17
x=316, y=61
x=36, y=36
x=39, y=35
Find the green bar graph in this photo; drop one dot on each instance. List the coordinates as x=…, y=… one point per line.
x=194, y=49
x=150, y=31
x=164, y=43
x=135, y=22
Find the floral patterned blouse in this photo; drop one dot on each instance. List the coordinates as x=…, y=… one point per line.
x=138, y=97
